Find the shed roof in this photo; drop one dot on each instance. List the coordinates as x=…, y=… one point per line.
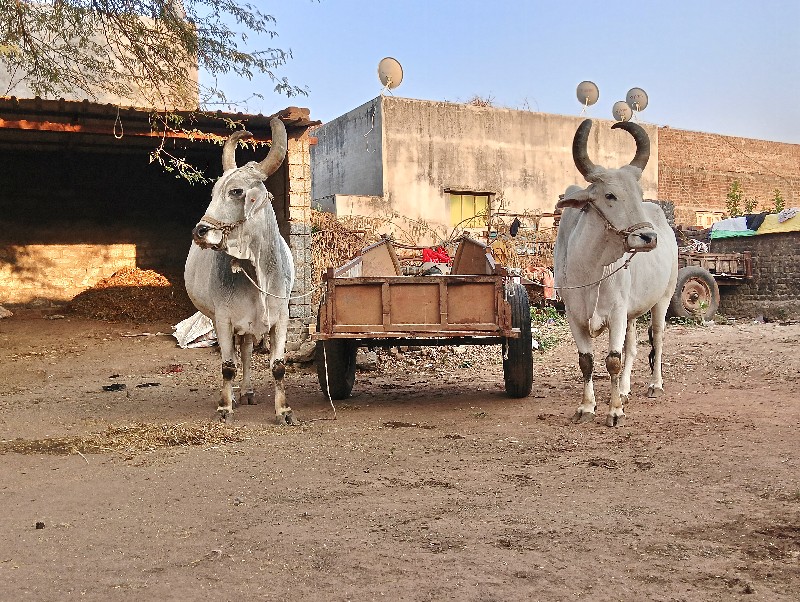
x=48, y=121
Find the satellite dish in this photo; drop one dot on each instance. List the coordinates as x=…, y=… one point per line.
x=588, y=93
x=621, y=111
x=636, y=99
x=390, y=72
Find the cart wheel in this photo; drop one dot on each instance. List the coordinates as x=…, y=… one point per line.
x=696, y=295
x=336, y=366
x=518, y=353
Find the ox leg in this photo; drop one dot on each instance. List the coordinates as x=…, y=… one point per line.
x=246, y=350
x=227, y=349
x=585, y=411
x=617, y=336
x=277, y=340
x=630, y=352
x=658, y=321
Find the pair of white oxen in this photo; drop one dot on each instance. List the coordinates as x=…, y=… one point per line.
x=615, y=258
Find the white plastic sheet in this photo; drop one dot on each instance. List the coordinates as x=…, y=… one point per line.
x=195, y=331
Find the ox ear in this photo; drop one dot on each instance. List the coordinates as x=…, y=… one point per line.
x=636, y=171
x=575, y=196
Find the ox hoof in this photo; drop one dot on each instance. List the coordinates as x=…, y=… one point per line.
x=249, y=398
x=225, y=416
x=613, y=421
x=286, y=419
x=653, y=392
x=580, y=417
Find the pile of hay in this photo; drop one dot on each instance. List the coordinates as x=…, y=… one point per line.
x=136, y=295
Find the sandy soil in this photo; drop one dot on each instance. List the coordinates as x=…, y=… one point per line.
x=429, y=484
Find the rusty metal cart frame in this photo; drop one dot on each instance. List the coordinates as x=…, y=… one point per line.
x=367, y=302
x=699, y=277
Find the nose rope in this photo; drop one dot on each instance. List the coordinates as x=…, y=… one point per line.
x=223, y=227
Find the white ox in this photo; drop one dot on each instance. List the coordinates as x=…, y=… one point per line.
x=240, y=271
x=604, y=275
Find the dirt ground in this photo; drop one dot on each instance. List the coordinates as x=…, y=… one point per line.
x=429, y=484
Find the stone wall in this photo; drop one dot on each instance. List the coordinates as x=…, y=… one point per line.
x=299, y=235
x=696, y=170
x=774, y=291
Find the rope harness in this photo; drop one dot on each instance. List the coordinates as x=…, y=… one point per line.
x=226, y=228
x=624, y=234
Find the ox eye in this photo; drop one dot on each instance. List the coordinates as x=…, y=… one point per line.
x=236, y=192
x=610, y=196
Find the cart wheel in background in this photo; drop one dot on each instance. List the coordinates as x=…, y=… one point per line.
x=518, y=353
x=696, y=294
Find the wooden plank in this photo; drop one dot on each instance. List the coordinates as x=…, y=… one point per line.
x=470, y=303
x=472, y=257
x=358, y=305
x=415, y=303
x=380, y=260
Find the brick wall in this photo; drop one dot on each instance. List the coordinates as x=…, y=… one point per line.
x=774, y=291
x=696, y=170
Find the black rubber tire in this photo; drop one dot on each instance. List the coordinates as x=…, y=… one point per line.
x=336, y=366
x=696, y=294
x=518, y=353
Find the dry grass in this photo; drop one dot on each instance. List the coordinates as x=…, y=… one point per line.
x=133, y=438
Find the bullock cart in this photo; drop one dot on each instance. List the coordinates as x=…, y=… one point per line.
x=368, y=302
x=699, y=277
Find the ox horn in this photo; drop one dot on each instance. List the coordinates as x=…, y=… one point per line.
x=579, y=153
x=229, y=149
x=277, y=152
x=642, y=142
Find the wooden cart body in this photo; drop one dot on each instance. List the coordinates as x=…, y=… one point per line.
x=368, y=302
x=367, y=298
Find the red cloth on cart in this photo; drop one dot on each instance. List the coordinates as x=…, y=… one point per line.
x=437, y=255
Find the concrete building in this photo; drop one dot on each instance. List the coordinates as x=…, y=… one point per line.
x=439, y=161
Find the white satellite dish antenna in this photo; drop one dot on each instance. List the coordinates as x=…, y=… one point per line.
x=587, y=93
x=636, y=99
x=390, y=72
x=621, y=111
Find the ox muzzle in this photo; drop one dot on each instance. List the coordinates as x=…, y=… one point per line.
x=644, y=239
x=207, y=237
x=210, y=233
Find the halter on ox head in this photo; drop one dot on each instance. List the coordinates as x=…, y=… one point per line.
x=240, y=192
x=614, y=194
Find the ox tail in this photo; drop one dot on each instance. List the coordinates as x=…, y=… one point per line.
x=651, y=358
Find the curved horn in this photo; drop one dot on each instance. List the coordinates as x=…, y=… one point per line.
x=579, y=153
x=642, y=142
x=277, y=152
x=229, y=149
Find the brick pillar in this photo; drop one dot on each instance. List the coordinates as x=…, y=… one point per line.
x=298, y=158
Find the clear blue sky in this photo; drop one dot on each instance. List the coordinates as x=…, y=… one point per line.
x=722, y=66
